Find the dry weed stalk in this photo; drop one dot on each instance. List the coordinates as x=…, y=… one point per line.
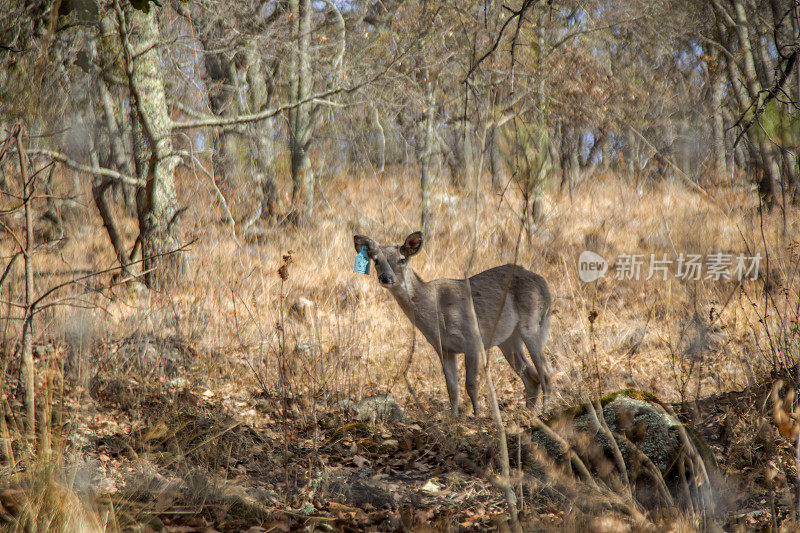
x=283, y=372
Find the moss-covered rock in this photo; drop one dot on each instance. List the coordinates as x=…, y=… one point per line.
x=641, y=426
x=380, y=407
x=638, y=415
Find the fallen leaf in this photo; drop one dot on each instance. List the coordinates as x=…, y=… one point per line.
x=431, y=486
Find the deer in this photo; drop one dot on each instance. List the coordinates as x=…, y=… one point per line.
x=512, y=308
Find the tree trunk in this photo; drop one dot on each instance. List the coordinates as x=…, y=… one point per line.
x=718, y=123
x=117, y=146
x=772, y=185
x=595, y=153
x=27, y=370
x=495, y=162
x=760, y=60
x=792, y=173
x=376, y=119
x=221, y=97
x=120, y=159
x=100, y=185
x=760, y=148
x=425, y=156
x=156, y=203
x=300, y=117
x=460, y=157
x=302, y=183
x=568, y=158
x=554, y=145
x=220, y=83
x=262, y=131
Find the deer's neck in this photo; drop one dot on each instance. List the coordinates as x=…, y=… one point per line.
x=415, y=298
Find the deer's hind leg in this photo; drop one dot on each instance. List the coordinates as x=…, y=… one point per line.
x=472, y=366
x=534, y=334
x=514, y=353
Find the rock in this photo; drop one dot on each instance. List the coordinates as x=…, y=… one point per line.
x=307, y=509
x=145, y=482
x=646, y=427
x=362, y=492
x=379, y=407
x=633, y=340
x=432, y=487
x=391, y=444
x=80, y=438
x=306, y=348
x=360, y=462
x=608, y=524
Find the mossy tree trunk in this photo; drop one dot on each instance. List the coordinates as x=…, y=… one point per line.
x=157, y=203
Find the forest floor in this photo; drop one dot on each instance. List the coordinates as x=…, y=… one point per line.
x=185, y=459
x=227, y=403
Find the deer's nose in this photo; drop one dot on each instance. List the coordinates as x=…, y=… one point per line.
x=383, y=278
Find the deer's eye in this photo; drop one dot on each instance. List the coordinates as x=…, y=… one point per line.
x=402, y=261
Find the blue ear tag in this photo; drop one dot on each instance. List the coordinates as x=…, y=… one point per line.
x=362, y=262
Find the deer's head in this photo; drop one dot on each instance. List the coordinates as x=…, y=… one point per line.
x=391, y=261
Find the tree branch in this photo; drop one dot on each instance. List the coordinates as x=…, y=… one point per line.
x=74, y=165
x=186, y=110
x=38, y=305
x=212, y=121
x=8, y=268
x=514, y=14
x=338, y=62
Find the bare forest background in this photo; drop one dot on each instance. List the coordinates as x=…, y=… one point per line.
x=184, y=343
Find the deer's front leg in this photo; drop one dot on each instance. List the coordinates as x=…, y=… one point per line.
x=450, y=367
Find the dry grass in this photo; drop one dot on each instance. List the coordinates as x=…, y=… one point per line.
x=356, y=340
x=232, y=322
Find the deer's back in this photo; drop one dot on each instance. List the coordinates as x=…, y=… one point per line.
x=525, y=290
x=523, y=295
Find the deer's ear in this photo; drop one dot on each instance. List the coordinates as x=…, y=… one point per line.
x=360, y=241
x=412, y=245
